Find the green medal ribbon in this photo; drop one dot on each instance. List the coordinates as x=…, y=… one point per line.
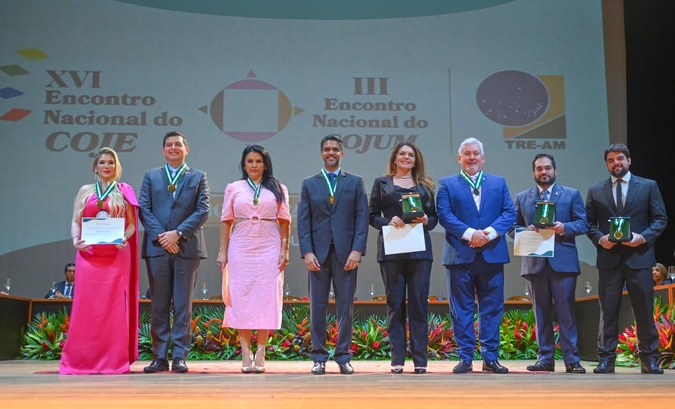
x=474, y=185
x=413, y=205
x=618, y=227
x=101, y=196
x=331, y=187
x=256, y=190
x=173, y=180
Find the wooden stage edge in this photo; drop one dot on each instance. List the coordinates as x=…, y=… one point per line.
x=36, y=384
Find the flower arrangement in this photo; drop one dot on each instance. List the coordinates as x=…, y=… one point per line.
x=664, y=319
x=45, y=336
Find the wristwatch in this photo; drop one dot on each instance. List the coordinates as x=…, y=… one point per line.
x=180, y=234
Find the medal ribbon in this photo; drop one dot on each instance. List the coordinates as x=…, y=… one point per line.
x=474, y=185
x=618, y=224
x=256, y=189
x=179, y=172
x=102, y=196
x=411, y=202
x=331, y=187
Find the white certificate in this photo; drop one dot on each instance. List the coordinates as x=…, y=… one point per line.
x=102, y=231
x=406, y=240
x=534, y=243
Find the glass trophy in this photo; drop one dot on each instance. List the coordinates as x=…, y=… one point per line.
x=619, y=229
x=411, y=205
x=544, y=214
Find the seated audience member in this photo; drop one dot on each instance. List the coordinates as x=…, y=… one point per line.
x=660, y=275
x=64, y=289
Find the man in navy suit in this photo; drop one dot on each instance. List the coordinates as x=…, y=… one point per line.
x=552, y=281
x=627, y=263
x=476, y=210
x=332, y=233
x=174, y=205
x=64, y=289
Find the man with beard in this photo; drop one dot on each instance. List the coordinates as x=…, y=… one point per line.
x=332, y=232
x=552, y=281
x=476, y=210
x=626, y=263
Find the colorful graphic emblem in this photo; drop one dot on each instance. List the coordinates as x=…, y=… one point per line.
x=251, y=110
x=527, y=106
x=17, y=114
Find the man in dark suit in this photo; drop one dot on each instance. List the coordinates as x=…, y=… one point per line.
x=626, y=263
x=476, y=210
x=332, y=233
x=174, y=204
x=64, y=289
x=552, y=281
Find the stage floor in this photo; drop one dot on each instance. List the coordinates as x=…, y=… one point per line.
x=36, y=384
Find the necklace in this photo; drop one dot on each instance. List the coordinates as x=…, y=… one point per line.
x=404, y=177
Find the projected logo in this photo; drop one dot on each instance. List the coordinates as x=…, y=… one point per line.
x=16, y=114
x=251, y=110
x=526, y=106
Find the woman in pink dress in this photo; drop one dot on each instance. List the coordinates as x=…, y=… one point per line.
x=254, y=253
x=103, y=333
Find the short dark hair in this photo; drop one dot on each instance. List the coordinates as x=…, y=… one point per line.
x=617, y=147
x=68, y=266
x=174, y=133
x=543, y=155
x=332, y=137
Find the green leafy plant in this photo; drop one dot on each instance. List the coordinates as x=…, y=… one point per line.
x=45, y=336
x=664, y=319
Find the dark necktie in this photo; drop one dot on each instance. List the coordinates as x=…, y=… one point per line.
x=544, y=195
x=331, y=176
x=619, y=197
x=68, y=290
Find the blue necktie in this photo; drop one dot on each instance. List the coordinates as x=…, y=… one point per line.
x=331, y=176
x=544, y=195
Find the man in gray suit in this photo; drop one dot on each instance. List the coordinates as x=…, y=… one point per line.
x=332, y=231
x=174, y=204
x=553, y=281
x=627, y=263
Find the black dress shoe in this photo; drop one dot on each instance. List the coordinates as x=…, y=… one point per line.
x=575, y=368
x=541, y=367
x=346, y=368
x=494, y=367
x=651, y=367
x=397, y=371
x=463, y=367
x=605, y=365
x=157, y=365
x=319, y=368
x=178, y=365
x=420, y=371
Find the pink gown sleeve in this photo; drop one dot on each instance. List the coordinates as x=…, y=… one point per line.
x=284, y=212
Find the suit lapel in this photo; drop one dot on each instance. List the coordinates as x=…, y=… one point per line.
x=483, y=193
x=342, y=177
x=607, y=189
x=633, y=187
x=181, y=182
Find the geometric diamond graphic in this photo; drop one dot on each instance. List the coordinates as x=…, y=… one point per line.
x=33, y=54
x=15, y=114
x=13, y=70
x=9, y=92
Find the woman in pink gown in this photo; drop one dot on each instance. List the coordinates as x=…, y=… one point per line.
x=103, y=333
x=254, y=253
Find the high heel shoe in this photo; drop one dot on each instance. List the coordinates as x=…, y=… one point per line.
x=259, y=366
x=247, y=368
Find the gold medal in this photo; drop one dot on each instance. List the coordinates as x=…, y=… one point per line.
x=543, y=220
x=331, y=199
x=172, y=188
x=618, y=235
x=256, y=201
x=99, y=203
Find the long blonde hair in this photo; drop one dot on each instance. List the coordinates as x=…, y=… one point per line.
x=116, y=201
x=419, y=173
